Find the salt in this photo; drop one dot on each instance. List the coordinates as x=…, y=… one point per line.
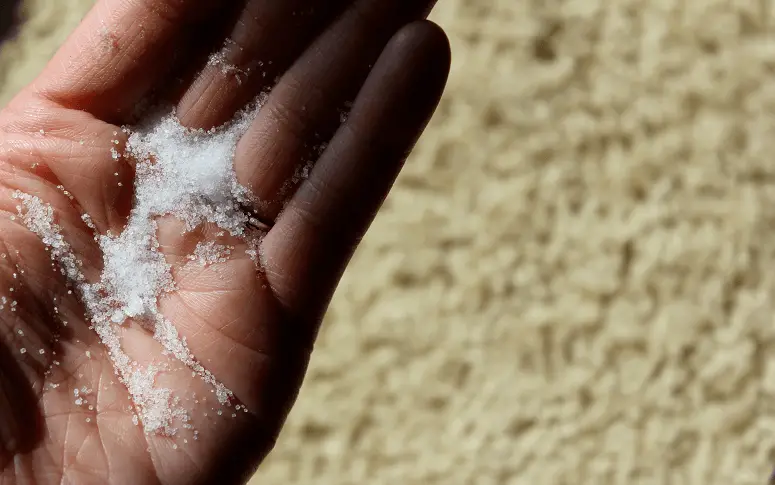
x=88, y=221
x=188, y=174
x=210, y=252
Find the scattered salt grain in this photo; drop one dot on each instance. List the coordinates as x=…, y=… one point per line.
x=158, y=410
x=219, y=61
x=210, y=252
x=86, y=218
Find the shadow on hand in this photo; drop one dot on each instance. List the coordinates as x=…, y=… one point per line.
x=22, y=420
x=9, y=10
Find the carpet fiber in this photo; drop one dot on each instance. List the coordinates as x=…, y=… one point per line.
x=573, y=279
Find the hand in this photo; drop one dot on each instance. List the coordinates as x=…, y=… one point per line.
x=65, y=417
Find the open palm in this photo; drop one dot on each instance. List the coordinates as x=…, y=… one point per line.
x=353, y=83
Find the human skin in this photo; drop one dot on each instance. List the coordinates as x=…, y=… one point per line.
x=253, y=329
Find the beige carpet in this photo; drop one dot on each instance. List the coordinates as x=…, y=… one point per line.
x=573, y=281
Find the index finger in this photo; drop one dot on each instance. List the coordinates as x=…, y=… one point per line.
x=119, y=52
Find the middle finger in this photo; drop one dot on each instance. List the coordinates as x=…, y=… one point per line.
x=302, y=112
x=267, y=36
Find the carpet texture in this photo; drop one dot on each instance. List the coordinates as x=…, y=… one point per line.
x=573, y=280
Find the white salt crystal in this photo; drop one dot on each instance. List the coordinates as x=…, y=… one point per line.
x=155, y=405
x=210, y=252
x=39, y=218
x=118, y=317
x=254, y=251
x=88, y=220
x=219, y=60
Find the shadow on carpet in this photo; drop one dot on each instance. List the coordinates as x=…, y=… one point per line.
x=9, y=10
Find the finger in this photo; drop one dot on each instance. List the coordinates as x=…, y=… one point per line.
x=302, y=110
x=267, y=37
x=119, y=52
x=307, y=250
